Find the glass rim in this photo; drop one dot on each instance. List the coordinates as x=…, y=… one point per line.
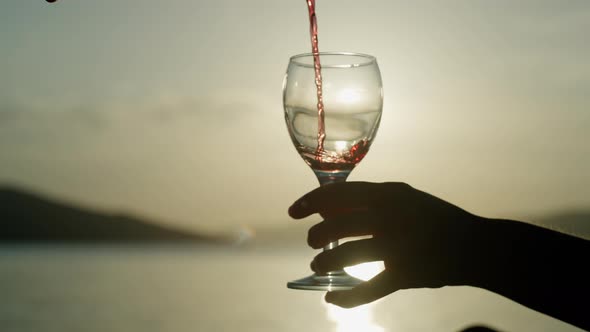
x=369, y=59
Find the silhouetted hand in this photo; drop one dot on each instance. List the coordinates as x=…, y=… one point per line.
x=422, y=240
x=479, y=328
x=427, y=242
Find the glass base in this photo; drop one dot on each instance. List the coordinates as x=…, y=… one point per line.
x=337, y=280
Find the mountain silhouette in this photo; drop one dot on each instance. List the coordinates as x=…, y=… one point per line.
x=26, y=217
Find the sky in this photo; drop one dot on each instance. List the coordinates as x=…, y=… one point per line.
x=172, y=110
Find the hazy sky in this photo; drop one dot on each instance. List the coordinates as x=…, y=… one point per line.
x=173, y=110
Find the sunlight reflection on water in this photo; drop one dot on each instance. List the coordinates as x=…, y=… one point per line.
x=356, y=319
x=359, y=318
x=186, y=289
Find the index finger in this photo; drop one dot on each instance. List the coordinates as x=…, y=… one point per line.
x=343, y=196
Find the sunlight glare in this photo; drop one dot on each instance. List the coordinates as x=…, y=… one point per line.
x=353, y=320
x=365, y=271
x=349, y=96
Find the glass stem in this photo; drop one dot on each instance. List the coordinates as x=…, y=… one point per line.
x=326, y=178
x=331, y=177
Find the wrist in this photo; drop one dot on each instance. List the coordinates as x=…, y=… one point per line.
x=488, y=249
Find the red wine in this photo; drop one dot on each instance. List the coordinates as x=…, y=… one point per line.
x=313, y=31
x=349, y=140
x=334, y=161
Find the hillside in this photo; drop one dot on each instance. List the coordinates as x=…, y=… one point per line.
x=27, y=217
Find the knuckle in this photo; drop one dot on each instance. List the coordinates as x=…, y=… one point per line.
x=401, y=186
x=320, y=262
x=314, y=236
x=311, y=236
x=395, y=190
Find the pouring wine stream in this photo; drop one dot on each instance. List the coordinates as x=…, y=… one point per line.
x=315, y=50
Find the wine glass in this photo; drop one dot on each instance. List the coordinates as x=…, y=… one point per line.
x=350, y=90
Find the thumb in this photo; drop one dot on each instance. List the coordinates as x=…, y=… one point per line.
x=374, y=289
